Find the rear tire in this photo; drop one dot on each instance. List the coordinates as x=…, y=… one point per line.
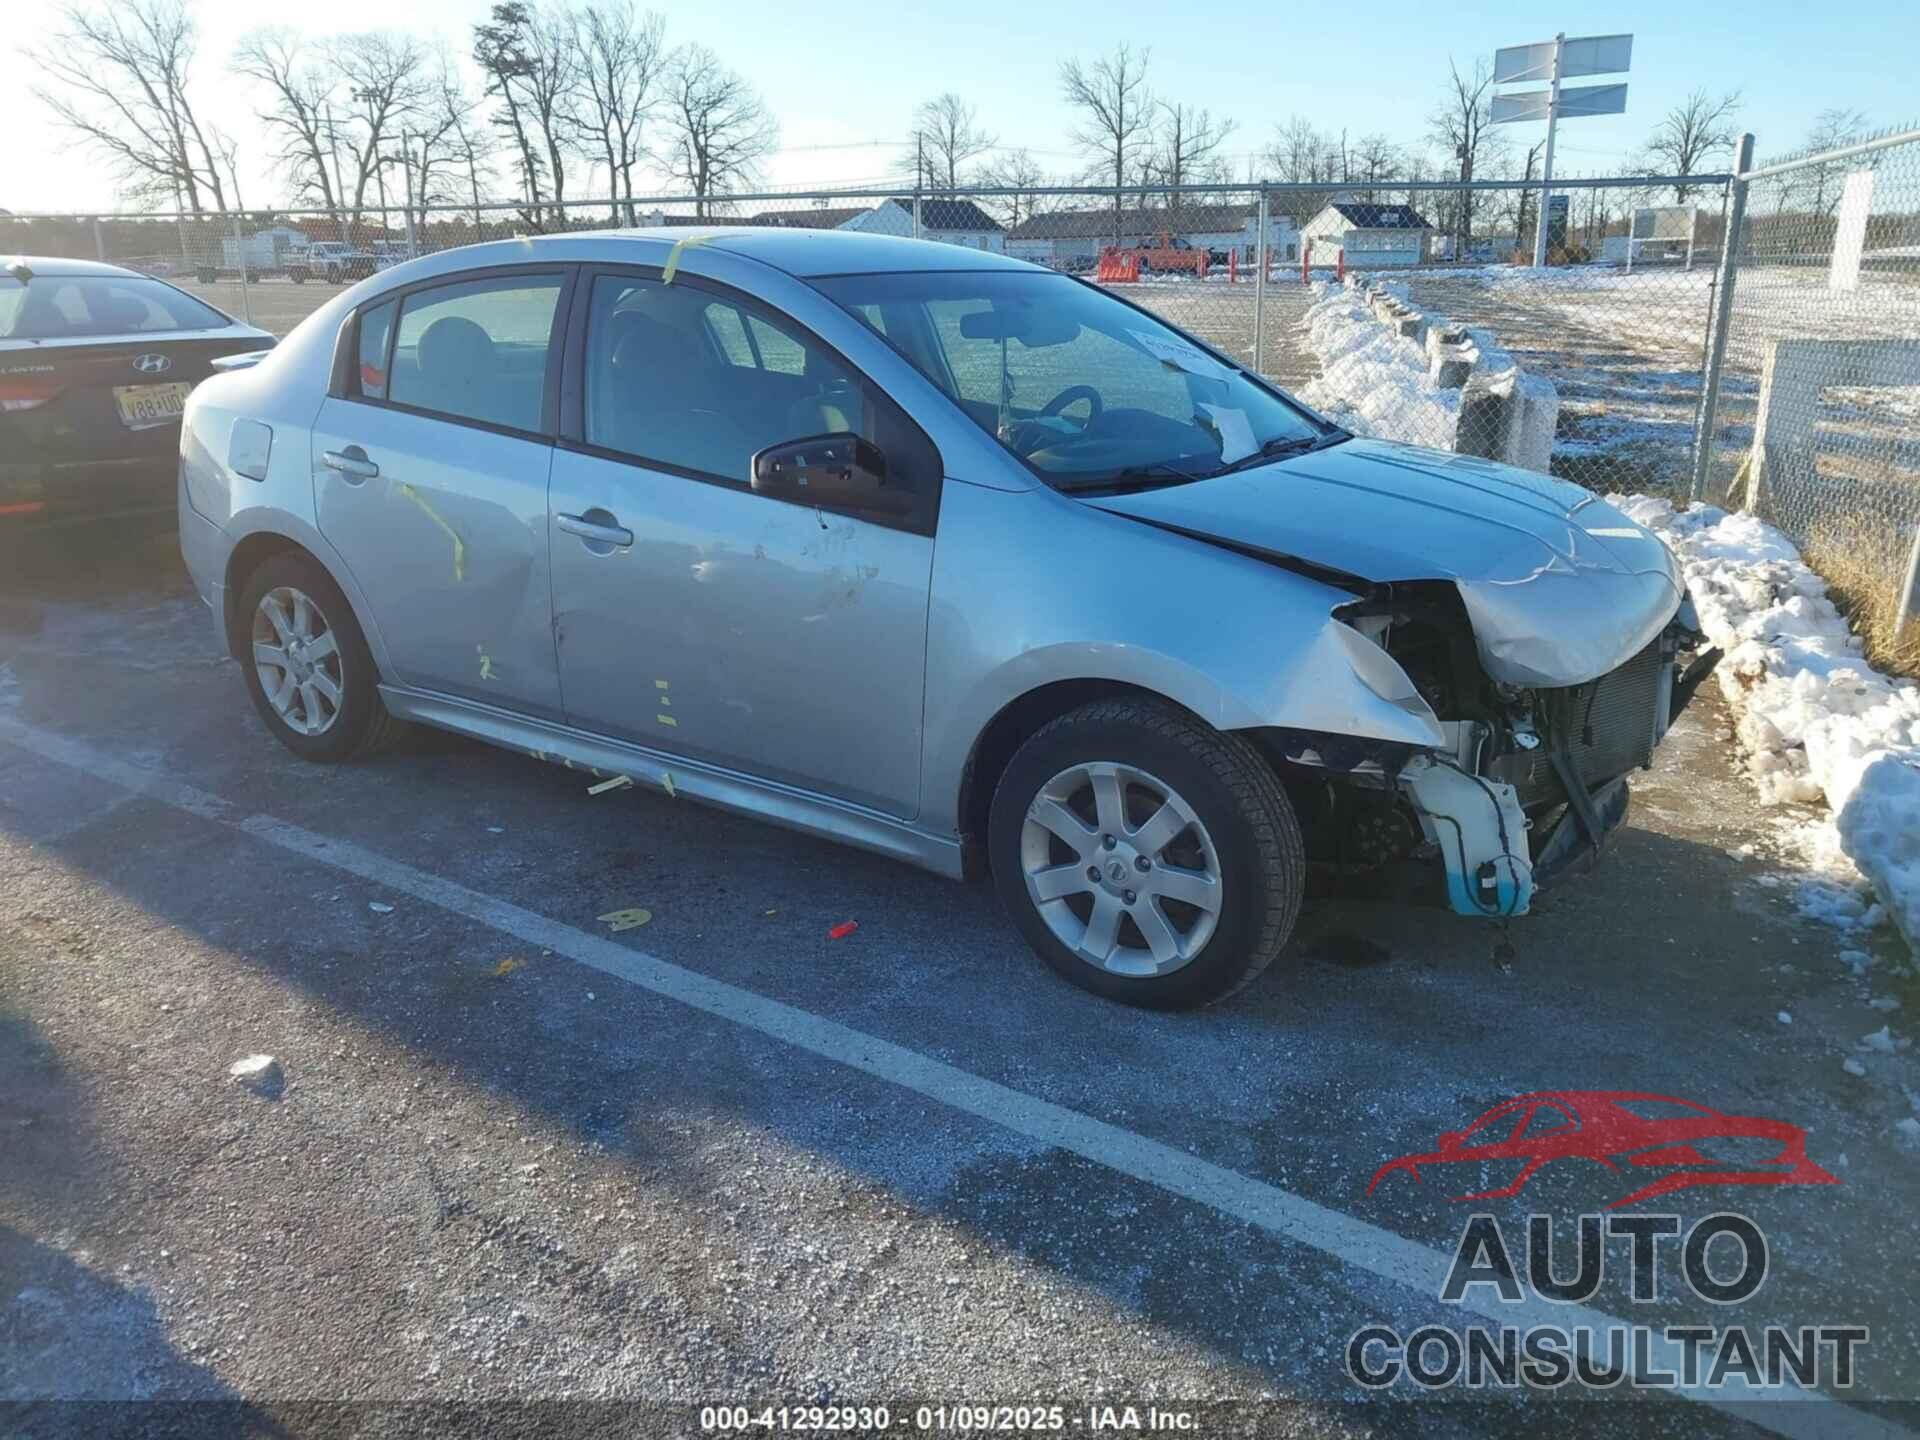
x=324, y=704
x=1168, y=867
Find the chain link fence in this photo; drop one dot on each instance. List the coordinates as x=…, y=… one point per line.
x=1817, y=425
x=1395, y=309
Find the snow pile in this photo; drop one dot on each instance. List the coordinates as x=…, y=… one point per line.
x=1816, y=721
x=1373, y=381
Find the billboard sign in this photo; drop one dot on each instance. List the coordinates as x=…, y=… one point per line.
x=1589, y=55
x=1576, y=101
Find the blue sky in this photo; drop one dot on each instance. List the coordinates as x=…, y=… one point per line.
x=840, y=76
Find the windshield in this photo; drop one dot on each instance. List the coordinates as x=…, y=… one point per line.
x=1090, y=393
x=59, y=307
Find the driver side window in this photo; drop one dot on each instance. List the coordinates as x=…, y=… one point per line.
x=682, y=378
x=676, y=376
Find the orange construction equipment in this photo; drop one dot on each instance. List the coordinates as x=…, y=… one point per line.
x=1117, y=267
x=1166, y=253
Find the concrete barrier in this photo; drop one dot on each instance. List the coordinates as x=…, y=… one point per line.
x=1505, y=414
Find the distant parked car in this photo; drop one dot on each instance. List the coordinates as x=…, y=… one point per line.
x=96, y=363
x=940, y=554
x=331, y=261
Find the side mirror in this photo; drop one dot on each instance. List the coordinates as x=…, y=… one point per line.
x=841, y=471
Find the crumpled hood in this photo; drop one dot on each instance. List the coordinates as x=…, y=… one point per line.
x=1560, y=586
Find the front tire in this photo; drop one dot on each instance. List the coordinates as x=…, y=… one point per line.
x=308, y=670
x=1146, y=856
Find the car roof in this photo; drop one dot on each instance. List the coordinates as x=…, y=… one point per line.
x=802, y=253
x=810, y=253
x=56, y=265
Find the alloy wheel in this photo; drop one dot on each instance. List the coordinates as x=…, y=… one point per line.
x=298, y=661
x=1121, y=869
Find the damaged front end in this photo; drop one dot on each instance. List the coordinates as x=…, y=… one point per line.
x=1528, y=784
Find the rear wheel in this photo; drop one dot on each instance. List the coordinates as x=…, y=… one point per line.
x=299, y=277
x=1146, y=856
x=307, y=666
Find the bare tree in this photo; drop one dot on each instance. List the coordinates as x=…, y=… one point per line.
x=1299, y=154
x=469, y=143
x=1459, y=126
x=947, y=134
x=1116, y=115
x=298, y=86
x=719, y=130
x=1017, y=171
x=440, y=125
x=1186, y=150
x=1698, y=127
x=621, y=57
x=118, y=77
x=1816, y=188
x=383, y=80
x=499, y=49
x=1374, y=160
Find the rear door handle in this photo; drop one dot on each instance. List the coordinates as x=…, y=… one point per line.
x=597, y=527
x=351, y=462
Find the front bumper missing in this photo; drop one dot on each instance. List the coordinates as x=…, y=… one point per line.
x=1571, y=847
x=1481, y=833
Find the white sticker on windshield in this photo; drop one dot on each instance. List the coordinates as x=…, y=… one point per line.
x=1236, y=433
x=1181, y=356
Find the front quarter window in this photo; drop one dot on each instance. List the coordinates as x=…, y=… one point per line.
x=1089, y=393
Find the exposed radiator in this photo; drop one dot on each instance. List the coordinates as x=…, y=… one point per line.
x=1619, y=711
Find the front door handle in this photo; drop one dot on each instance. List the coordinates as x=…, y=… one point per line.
x=597, y=527
x=351, y=462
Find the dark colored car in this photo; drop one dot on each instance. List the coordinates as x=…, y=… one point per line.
x=1681, y=1143
x=95, y=366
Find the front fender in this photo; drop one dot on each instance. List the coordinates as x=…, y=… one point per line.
x=1032, y=589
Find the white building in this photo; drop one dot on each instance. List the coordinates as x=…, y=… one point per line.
x=1064, y=238
x=1367, y=235
x=953, y=222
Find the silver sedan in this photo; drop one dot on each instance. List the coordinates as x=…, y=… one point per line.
x=939, y=554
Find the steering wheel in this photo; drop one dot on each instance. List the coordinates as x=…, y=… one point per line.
x=1067, y=396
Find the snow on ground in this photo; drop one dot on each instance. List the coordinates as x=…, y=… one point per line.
x=1817, y=723
x=1373, y=381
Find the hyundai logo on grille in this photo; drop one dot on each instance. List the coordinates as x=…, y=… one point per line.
x=152, y=364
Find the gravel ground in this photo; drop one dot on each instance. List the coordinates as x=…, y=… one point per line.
x=496, y=1172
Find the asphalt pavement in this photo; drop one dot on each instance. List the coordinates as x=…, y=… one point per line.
x=717, y=1158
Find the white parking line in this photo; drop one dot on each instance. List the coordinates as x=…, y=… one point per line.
x=1789, y=1411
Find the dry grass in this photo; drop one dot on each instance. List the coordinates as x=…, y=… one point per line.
x=1864, y=565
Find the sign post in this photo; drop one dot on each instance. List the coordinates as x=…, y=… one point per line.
x=1556, y=60
x=1546, y=161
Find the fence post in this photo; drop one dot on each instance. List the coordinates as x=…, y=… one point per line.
x=1260, y=286
x=1906, y=609
x=1736, y=213
x=99, y=242
x=240, y=254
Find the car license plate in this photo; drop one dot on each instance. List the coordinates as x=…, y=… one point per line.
x=143, y=406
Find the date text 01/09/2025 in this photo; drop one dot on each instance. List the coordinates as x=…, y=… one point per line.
x=944, y=1419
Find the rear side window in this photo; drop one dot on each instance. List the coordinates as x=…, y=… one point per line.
x=477, y=350
x=376, y=331
x=62, y=307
